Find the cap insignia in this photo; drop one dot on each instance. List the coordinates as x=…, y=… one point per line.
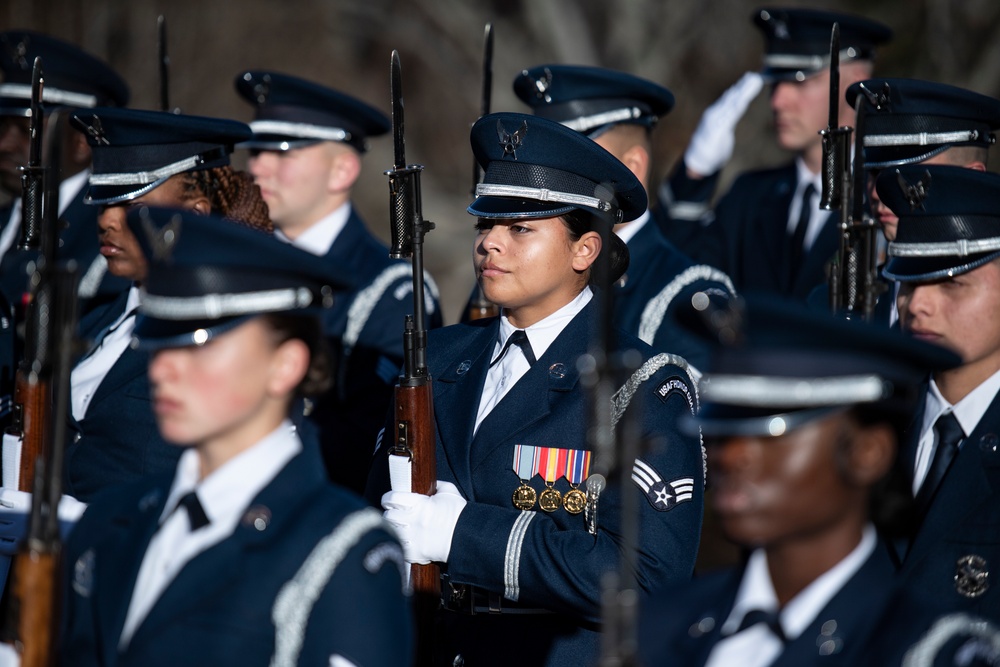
x=779, y=27
x=94, y=129
x=511, y=142
x=915, y=194
x=17, y=53
x=542, y=85
x=262, y=89
x=880, y=100
x=162, y=239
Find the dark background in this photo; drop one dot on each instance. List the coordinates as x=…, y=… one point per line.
x=697, y=48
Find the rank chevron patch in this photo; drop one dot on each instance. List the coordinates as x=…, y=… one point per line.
x=663, y=496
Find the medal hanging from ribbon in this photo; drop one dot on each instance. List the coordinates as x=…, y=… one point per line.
x=577, y=470
x=549, y=468
x=524, y=465
x=550, y=464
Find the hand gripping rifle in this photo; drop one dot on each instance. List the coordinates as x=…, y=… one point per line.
x=853, y=278
x=36, y=567
x=480, y=306
x=25, y=439
x=412, y=458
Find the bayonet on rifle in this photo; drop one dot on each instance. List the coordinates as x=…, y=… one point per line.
x=163, y=62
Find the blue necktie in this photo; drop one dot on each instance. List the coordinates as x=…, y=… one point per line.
x=949, y=435
x=196, y=513
x=520, y=339
x=769, y=618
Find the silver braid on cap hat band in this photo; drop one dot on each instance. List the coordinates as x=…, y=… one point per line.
x=920, y=138
x=53, y=95
x=791, y=61
x=214, y=306
x=760, y=391
x=584, y=123
x=144, y=177
x=541, y=194
x=301, y=130
x=959, y=248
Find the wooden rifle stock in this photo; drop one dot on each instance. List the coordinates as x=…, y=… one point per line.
x=36, y=567
x=32, y=405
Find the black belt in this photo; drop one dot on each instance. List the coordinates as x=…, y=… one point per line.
x=468, y=599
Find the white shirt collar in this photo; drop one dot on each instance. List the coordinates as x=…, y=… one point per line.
x=629, y=231
x=757, y=591
x=228, y=491
x=543, y=332
x=319, y=238
x=968, y=411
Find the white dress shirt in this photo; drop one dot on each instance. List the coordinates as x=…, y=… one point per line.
x=225, y=496
x=757, y=646
x=505, y=374
x=319, y=238
x=92, y=369
x=968, y=411
x=629, y=231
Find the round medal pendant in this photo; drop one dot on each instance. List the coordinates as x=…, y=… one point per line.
x=550, y=500
x=574, y=501
x=524, y=497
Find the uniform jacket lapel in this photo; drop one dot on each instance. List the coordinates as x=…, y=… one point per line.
x=209, y=573
x=967, y=485
x=116, y=569
x=458, y=389
x=812, y=272
x=846, y=620
x=529, y=400
x=769, y=255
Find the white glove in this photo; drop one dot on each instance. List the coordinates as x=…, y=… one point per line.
x=9, y=656
x=15, y=506
x=712, y=143
x=425, y=524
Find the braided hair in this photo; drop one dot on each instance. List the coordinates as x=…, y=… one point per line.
x=232, y=194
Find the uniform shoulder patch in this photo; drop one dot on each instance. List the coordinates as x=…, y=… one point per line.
x=675, y=384
x=663, y=496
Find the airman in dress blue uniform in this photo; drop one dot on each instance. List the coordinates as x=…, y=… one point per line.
x=909, y=121
x=618, y=111
x=246, y=555
x=946, y=257
x=523, y=529
x=801, y=416
x=770, y=230
x=140, y=158
x=73, y=79
x=306, y=156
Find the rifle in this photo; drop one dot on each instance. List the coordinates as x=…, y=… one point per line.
x=480, y=306
x=604, y=369
x=29, y=429
x=163, y=62
x=36, y=566
x=413, y=450
x=853, y=275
